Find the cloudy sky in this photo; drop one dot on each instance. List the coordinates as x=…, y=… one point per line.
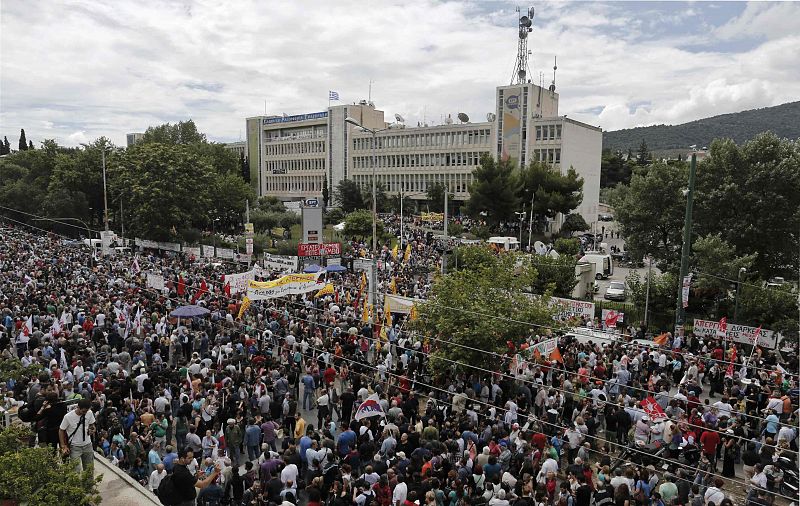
x=74, y=70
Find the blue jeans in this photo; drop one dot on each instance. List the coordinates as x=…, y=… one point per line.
x=252, y=452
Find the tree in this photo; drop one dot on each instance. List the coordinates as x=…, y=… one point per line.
x=474, y=311
x=263, y=221
x=574, y=222
x=715, y=262
x=380, y=196
x=553, y=275
x=492, y=192
x=760, y=180
x=30, y=145
x=569, y=247
x=270, y=203
x=230, y=194
x=37, y=476
x=168, y=187
x=393, y=203
x=614, y=169
x=435, y=196
x=348, y=194
x=359, y=224
x=325, y=193
x=6, y=146
x=643, y=155
x=663, y=290
x=244, y=167
x=650, y=213
x=554, y=192
x=23, y=143
x=775, y=308
x=183, y=132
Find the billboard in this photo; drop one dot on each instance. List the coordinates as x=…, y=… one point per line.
x=512, y=124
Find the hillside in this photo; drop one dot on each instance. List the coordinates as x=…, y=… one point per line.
x=783, y=120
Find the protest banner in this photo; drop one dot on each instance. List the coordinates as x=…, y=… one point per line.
x=742, y=334
x=291, y=284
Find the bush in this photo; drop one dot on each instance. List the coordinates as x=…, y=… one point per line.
x=333, y=216
x=569, y=247
x=455, y=229
x=481, y=232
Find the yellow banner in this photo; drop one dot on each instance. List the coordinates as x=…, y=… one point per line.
x=291, y=284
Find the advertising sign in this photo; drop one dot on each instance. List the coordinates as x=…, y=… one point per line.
x=319, y=250
x=512, y=124
x=736, y=333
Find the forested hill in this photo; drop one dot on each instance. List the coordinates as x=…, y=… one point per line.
x=783, y=120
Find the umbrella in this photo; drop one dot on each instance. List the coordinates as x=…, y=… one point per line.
x=189, y=311
x=336, y=268
x=312, y=268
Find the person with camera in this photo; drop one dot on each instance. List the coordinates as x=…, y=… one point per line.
x=75, y=435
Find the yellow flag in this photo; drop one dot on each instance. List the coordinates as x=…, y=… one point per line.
x=393, y=285
x=407, y=254
x=347, y=298
x=325, y=290
x=365, y=312
x=394, y=251
x=245, y=305
x=387, y=315
x=413, y=315
x=363, y=281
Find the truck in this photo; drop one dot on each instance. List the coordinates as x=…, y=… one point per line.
x=604, y=264
x=505, y=243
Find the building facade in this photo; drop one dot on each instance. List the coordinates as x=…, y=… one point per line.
x=133, y=138
x=239, y=148
x=295, y=157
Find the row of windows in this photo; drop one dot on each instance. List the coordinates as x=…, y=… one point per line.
x=393, y=183
x=432, y=139
x=419, y=160
x=281, y=166
x=296, y=148
x=294, y=184
x=548, y=132
x=547, y=155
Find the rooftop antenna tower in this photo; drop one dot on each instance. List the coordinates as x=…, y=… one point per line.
x=521, y=67
x=555, y=67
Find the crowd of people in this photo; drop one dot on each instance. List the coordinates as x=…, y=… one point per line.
x=264, y=405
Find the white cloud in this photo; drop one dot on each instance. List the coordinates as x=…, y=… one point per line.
x=107, y=68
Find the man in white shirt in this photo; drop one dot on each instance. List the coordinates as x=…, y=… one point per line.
x=75, y=435
x=156, y=476
x=400, y=491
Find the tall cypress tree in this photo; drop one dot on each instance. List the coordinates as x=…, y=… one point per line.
x=30, y=145
x=23, y=143
x=6, y=145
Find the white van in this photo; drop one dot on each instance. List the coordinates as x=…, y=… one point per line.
x=603, y=263
x=505, y=243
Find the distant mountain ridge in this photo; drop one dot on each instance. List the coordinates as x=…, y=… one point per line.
x=783, y=120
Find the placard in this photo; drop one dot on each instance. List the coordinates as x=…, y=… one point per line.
x=737, y=333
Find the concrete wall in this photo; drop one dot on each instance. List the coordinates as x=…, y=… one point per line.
x=581, y=148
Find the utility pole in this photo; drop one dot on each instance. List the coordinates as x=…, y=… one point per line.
x=530, y=223
x=446, y=238
x=680, y=314
x=647, y=297
x=105, y=193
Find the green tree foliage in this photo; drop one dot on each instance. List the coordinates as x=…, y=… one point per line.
x=573, y=222
x=23, y=143
x=462, y=305
x=775, y=308
x=30, y=145
x=326, y=194
x=380, y=196
x=230, y=194
x=359, y=224
x=650, y=213
x=167, y=187
x=614, y=169
x=264, y=221
x=435, y=196
x=333, y=216
x=38, y=476
x=183, y=132
x=349, y=196
x=393, y=204
x=750, y=195
x=643, y=156
x=493, y=191
x=271, y=203
x=244, y=167
x=5, y=146
x=716, y=262
x=663, y=291
x=555, y=276
x=554, y=193
x=569, y=247
x=12, y=369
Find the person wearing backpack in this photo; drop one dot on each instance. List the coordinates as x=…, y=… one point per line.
x=180, y=487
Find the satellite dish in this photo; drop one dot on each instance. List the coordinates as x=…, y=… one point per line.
x=553, y=253
x=463, y=117
x=490, y=117
x=399, y=118
x=539, y=248
x=449, y=120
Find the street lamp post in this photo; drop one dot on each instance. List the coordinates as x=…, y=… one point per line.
x=374, y=133
x=530, y=222
x=214, y=234
x=742, y=270
x=105, y=192
x=680, y=314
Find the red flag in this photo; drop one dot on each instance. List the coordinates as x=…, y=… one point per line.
x=661, y=339
x=611, y=318
x=181, y=286
x=556, y=355
x=729, y=371
x=201, y=291
x=653, y=410
x=756, y=333
x=227, y=289
x=723, y=325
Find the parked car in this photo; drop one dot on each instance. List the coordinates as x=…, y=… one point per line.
x=605, y=217
x=616, y=291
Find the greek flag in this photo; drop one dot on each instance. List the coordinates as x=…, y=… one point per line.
x=333, y=95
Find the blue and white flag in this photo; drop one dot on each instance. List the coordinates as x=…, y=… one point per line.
x=370, y=407
x=333, y=95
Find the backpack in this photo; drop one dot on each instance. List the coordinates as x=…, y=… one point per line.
x=26, y=413
x=166, y=491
